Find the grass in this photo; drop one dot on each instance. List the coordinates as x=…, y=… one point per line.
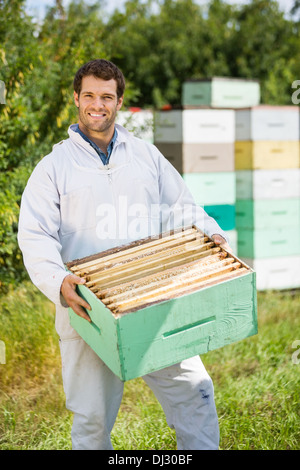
x=256, y=382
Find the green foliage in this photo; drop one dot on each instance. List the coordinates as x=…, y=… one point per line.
x=37, y=66
x=157, y=43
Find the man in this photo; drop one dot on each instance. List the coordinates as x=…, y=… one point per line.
x=103, y=187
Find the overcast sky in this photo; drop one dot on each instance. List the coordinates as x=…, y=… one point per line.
x=37, y=7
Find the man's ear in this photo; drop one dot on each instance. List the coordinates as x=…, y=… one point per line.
x=76, y=99
x=120, y=102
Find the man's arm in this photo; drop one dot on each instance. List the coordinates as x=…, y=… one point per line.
x=39, y=241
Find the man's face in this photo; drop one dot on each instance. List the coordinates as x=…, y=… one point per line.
x=97, y=105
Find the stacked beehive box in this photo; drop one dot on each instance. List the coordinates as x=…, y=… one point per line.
x=160, y=300
x=200, y=144
x=268, y=193
x=199, y=141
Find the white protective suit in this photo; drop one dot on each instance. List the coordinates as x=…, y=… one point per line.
x=74, y=206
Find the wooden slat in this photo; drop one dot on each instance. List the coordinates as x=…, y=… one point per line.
x=165, y=295
x=177, y=278
x=136, y=254
x=154, y=270
x=150, y=258
x=157, y=277
x=170, y=240
x=155, y=266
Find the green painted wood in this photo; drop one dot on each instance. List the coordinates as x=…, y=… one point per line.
x=224, y=215
x=269, y=214
x=172, y=331
x=268, y=243
x=196, y=93
x=221, y=92
x=163, y=334
x=235, y=93
x=212, y=188
x=102, y=334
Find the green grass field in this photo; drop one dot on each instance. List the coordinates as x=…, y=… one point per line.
x=257, y=383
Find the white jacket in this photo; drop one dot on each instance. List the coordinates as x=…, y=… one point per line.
x=74, y=206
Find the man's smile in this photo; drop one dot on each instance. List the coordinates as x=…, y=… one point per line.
x=97, y=115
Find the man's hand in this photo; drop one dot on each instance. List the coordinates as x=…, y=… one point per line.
x=222, y=242
x=68, y=291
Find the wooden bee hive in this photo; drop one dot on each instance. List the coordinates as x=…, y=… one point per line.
x=160, y=300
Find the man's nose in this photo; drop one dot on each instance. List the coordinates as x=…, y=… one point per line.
x=99, y=102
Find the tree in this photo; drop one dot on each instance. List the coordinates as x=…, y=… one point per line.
x=37, y=66
x=261, y=48
x=154, y=43
x=18, y=127
x=37, y=63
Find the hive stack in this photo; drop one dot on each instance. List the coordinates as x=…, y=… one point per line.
x=268, y=193
x=199, y=140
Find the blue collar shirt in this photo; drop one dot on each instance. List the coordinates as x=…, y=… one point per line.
x=104, y=158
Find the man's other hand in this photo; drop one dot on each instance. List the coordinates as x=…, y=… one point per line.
x=222, y=242
x=68, y=291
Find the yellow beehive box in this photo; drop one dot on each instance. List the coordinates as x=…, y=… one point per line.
x=266, y=155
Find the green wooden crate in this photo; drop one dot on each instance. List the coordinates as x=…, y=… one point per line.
x=268, y=243
x=221, y=92
x=212, y=188
x=274, y=213
x=162, y=333
x=224, y=215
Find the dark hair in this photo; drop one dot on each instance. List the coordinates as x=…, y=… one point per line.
x=100, y=68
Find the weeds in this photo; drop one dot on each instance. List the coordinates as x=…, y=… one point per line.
x=256, y=383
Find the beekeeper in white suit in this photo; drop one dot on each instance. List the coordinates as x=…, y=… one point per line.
x=103, y=187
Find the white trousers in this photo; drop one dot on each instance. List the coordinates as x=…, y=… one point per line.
x=94, y=394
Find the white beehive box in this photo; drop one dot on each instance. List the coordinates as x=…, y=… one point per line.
x=268, y=184
x=267, y=123
x=281, y=272
x=194, y=126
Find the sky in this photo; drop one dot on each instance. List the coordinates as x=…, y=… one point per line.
x=38, y=7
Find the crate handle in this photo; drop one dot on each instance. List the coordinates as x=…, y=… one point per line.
x=95, y=327
x=208, y=157
x=189, y=327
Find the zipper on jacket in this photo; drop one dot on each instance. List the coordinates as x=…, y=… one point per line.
x=108, y=173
